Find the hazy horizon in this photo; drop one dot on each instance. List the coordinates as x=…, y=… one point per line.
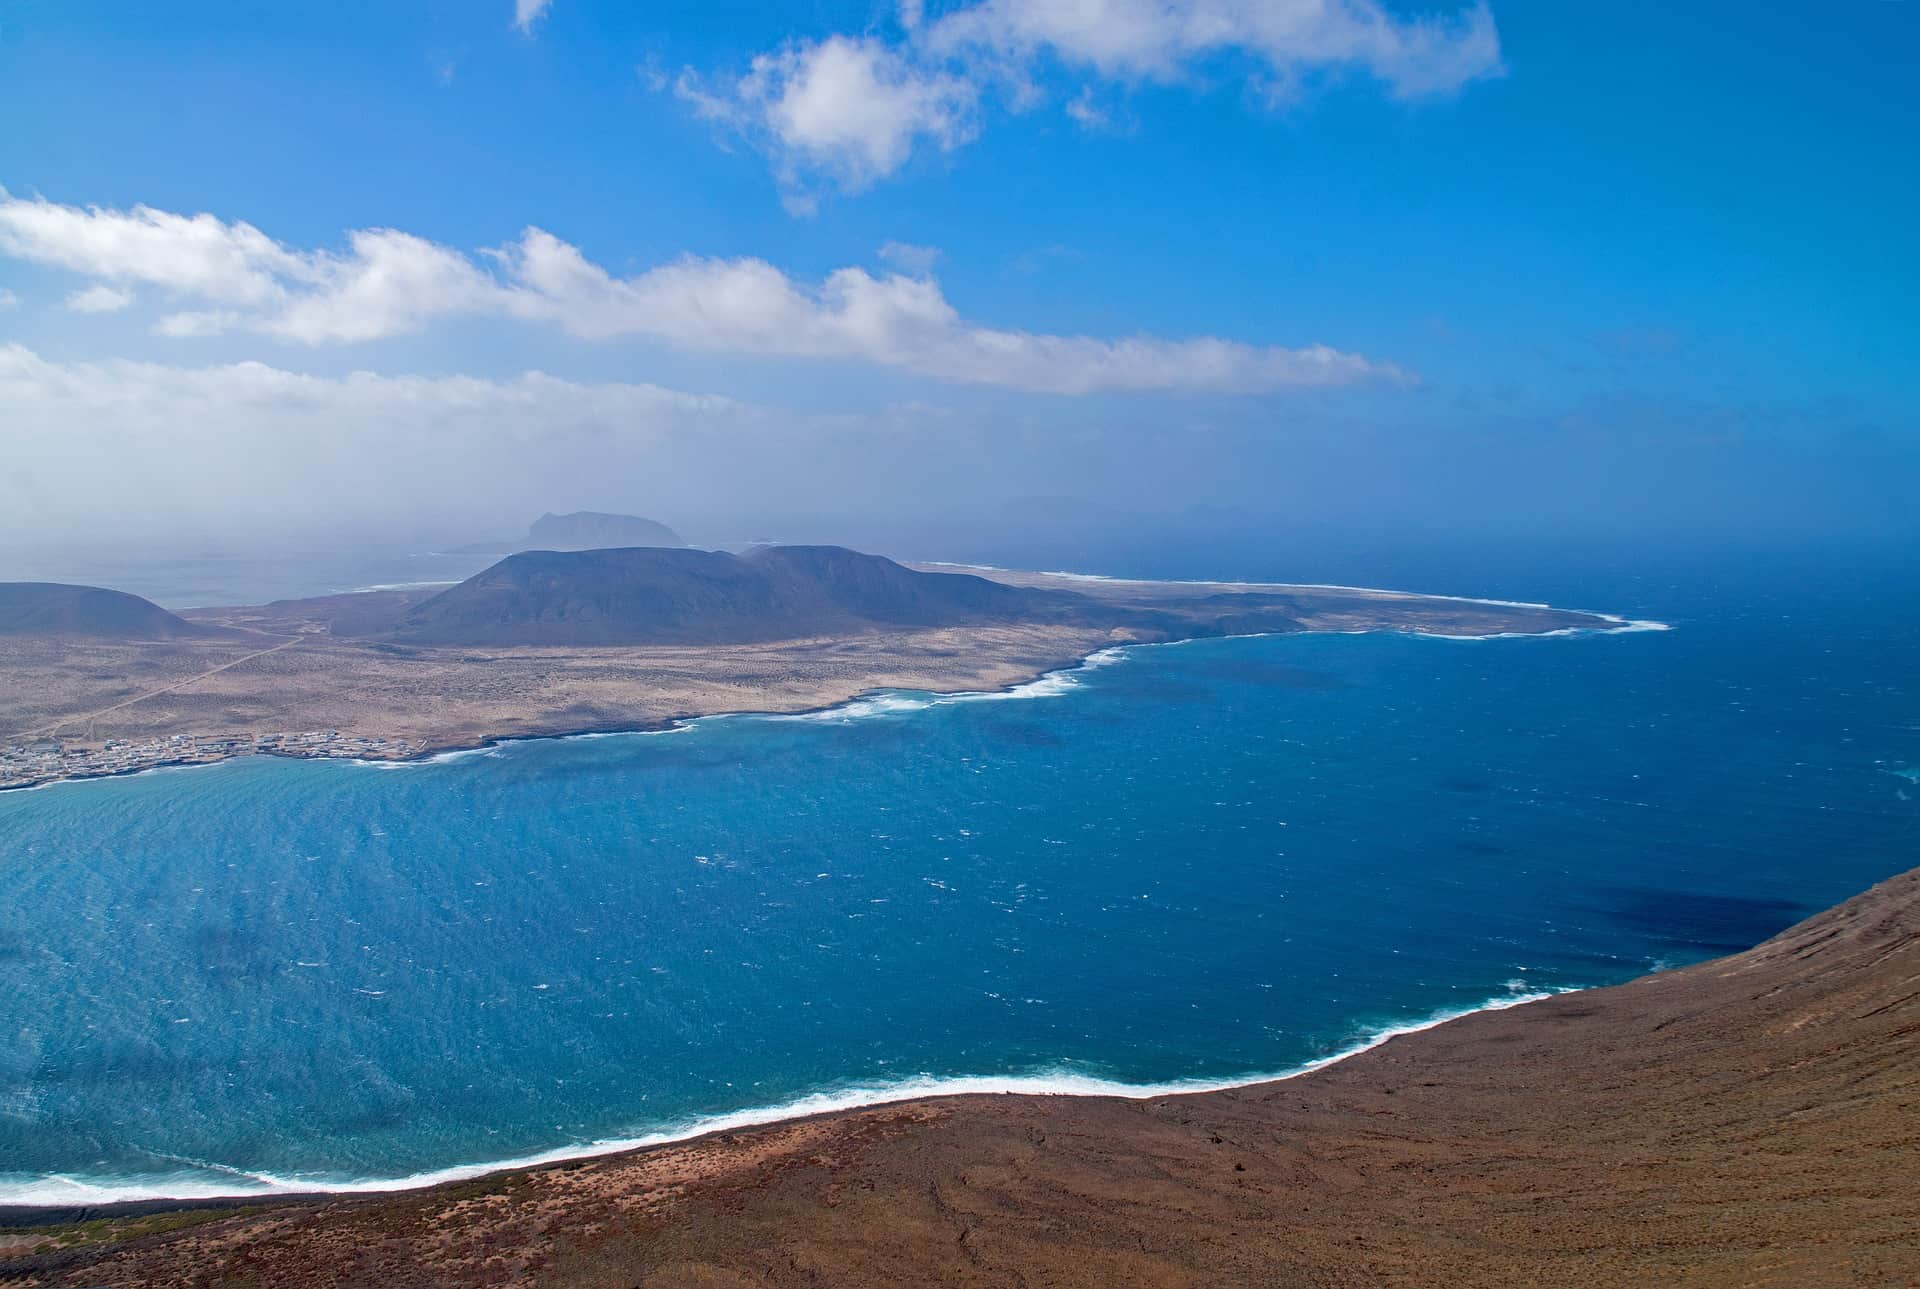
x=899, y=275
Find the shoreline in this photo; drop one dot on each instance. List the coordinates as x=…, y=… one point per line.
x=1624, y=624
x=430, y=753
x=35, y=1195
x=39, y=1200
x=1744, y=1120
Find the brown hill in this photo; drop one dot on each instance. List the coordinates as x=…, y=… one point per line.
x=654, y=595
x=1750, y=1121
x=58, y=609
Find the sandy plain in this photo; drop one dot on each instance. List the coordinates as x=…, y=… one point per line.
x=298, y=667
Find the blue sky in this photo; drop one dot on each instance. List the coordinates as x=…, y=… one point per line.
x=1642, y=265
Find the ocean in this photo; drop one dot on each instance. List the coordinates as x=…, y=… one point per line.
x=1181, y=865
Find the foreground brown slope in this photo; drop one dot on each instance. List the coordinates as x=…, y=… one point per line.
x=1754, y=1120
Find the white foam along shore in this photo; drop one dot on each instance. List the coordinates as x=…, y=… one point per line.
x=1050, y=684
x=883, y=702
x=226, y=1182
x=1046, y=685
x=1621, y=625
x=65, y=1191
x=396, y=586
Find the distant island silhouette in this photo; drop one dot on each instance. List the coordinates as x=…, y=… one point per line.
x=579, y=531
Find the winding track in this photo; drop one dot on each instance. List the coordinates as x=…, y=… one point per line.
x=48, y=731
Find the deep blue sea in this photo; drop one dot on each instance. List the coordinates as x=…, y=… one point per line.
x=1190, y=863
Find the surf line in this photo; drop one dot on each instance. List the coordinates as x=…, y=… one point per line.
x=63, y=1190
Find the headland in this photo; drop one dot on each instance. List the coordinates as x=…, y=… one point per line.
x=548, y=643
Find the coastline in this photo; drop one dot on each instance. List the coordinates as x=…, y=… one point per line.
x=62, y=1193
x=1622, y=624
x=21, y=1200
x=430, y=751
x=1746, y=1120
x=1055, y=681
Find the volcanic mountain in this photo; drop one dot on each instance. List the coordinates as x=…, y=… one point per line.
x=59, y=609
x=653, y=595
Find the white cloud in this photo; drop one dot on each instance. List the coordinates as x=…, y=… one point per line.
x=195, y=254
x=191, y=323
x=99, y=299
x=390, y=283
x=853, y=110
x=8, y=300
x=528, y=12
x=153, y=398
x=1161, y=40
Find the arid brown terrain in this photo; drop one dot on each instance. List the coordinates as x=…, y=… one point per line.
x=1750, y=1121
x=332, y=664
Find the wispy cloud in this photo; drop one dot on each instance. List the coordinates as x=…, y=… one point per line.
x=387, y=283
x=99, y=299
x=908, y=258
x=850, y=110
x=528, y=12
x=1283, y=40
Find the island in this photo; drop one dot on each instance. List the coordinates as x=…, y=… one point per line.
x=545, y=642
x=579, y=531
x=1746, y=1121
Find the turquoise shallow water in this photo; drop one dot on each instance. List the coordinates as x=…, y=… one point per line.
x=1205, y=861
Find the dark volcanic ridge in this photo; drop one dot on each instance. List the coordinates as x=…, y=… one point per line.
x=945, y=625
x=679, y=596
x=651, y=595
x=59, y=609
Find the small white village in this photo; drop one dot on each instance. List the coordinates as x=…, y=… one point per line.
x=29, y=764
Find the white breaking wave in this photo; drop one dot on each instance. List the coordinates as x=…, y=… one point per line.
x=1050, y=685
x=891, y=702
x=1621, y=627
x=111, y=775
x=397, y=586
x=61, y=1190
x=414, y=763
x=496, y=748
